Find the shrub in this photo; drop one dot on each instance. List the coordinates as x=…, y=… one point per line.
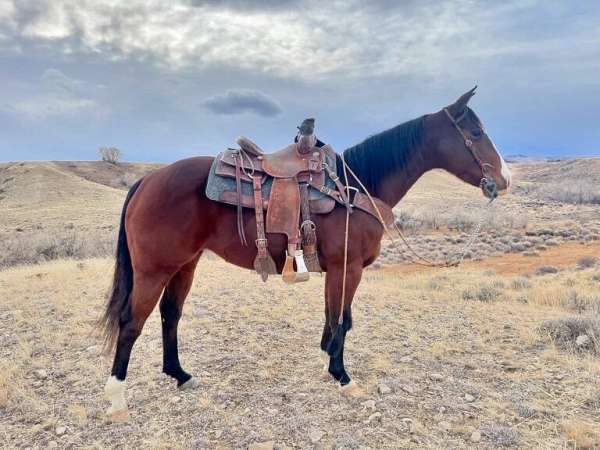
x=565, y=332
x=520, y=283
x=578, y=193
x=485, y=293
x=110, y=154
x=502, y=436
x=587, y=262
x=35, y=248
x=543, y=270
x=128, y=179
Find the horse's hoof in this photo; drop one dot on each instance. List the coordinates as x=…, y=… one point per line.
x=120, y=416
x=189, y=385
x=352, y=390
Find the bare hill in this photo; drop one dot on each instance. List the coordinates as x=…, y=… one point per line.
x=76, y=204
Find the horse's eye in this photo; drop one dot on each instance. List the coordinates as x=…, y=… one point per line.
x=476, y=133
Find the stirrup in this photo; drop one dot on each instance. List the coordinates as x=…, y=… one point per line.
x=288, y=274
x=301, y=270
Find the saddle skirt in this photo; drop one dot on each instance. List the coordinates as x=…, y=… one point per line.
x=221, y=185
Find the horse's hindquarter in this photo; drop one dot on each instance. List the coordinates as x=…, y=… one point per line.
x=169, y=218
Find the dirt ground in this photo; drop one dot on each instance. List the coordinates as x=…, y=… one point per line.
x=441, y=369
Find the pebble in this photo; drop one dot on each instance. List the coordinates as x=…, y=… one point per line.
x=93, y=350
x=476, y=436
x=384, y=389
x=436, y=376
x=268, y=445
x=406, y=359
x=374, y=417
x=41, y=374
x=60, y=430
x=444, y=426
x=408, y=389
x=52, y=444
x=369, y=404
x=315, y=435
x=469, y=398
x=582, y=340
x=175, y=399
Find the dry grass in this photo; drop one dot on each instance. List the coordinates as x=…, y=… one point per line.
x=461, y=351
x=260, y=372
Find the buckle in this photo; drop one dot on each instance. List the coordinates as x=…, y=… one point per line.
x=261, y=242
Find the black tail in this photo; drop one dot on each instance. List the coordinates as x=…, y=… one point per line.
x=118, y=301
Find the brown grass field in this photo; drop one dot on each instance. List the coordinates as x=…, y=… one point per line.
x=503, y=352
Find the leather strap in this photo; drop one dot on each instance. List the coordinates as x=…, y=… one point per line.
x=238, y=187
x=341, y=189
x=309, y=237
x=261, y=239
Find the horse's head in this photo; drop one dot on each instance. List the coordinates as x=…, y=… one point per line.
x=464, y=149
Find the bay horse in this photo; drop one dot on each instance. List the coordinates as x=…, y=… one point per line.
x=167, y=222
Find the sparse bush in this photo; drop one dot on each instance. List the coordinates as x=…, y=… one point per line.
x=128, y=179
x=485, y=293
x=578, y=193
x=567, y=333
x=543, y=270
x=110, y=154
x=587, y=262
x=502, y=436
x=582, y=303
x=36, y=248
x=520, y=283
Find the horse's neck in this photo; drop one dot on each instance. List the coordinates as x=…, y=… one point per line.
x=394, y=187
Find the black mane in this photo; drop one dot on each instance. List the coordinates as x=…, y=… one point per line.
x=384, y=153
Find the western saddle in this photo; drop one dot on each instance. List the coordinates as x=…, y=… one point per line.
x=290, y=184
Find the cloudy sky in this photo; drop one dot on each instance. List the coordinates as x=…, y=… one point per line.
x=163, y=80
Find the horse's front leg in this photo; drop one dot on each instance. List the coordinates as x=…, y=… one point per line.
x=334, y=334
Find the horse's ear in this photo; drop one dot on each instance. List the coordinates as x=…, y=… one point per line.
x=457, y=108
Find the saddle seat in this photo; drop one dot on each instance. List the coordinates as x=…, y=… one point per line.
x=285, y=163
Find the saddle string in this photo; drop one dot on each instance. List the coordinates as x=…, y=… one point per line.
x=341, y=313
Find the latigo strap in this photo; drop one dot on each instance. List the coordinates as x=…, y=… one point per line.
x=238, y=186
x=263, y=263
x=309, y=236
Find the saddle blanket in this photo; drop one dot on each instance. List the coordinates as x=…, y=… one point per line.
x=221, y=186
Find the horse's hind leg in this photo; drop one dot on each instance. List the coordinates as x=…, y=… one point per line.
x=171, y=306
x=144, y=296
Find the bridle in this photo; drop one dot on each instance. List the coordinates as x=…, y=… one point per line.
x=487, y=183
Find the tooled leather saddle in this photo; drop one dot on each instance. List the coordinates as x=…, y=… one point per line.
x=290, y=184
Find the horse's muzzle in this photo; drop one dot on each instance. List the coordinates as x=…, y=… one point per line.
x=489, y=188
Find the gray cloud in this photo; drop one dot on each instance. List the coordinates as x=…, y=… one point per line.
x=56, y=95
x=238, y=101
x=248, y=5
x=357, y=66
x=293, y=39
